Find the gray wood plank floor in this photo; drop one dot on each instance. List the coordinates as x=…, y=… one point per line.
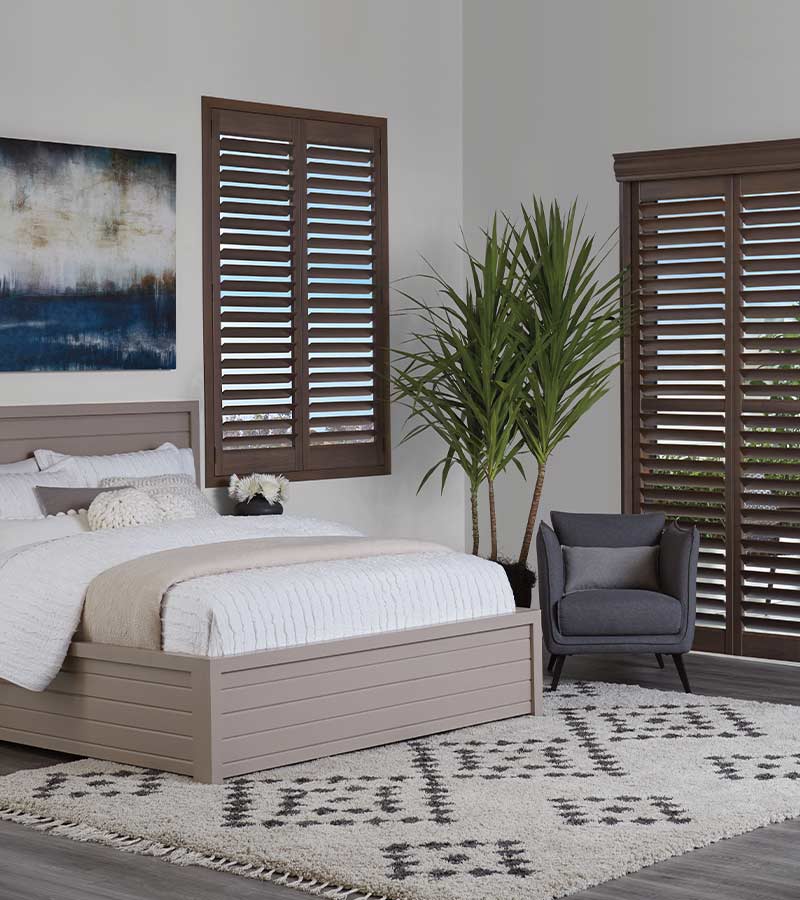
x=761, y=864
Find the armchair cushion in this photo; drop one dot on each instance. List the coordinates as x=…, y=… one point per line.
x=610, y=567
x=607, y=529
x=618, y=612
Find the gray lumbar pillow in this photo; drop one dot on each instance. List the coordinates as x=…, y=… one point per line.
x=55, y=500
x=624, y=568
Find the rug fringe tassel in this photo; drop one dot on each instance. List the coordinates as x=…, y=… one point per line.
x=180, y=856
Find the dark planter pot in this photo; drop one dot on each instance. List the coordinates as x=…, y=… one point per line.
x=522, y=581
x=258, y=506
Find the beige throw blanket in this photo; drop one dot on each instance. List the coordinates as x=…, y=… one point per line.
x=123, y=604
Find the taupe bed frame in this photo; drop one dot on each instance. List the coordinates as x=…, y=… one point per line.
x=216, y=717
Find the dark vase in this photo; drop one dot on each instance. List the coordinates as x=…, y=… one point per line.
x=258, y=506
x=522, y=581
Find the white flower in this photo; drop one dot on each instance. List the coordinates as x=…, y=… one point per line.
x=272, y=488
x=268, y=487
x=283, y=487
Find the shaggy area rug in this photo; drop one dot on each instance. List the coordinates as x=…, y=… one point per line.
x=611, y=779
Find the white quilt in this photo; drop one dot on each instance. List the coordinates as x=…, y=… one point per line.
x=42, y=589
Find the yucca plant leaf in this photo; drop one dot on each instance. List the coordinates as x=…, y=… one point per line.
x=573, y=315
x=466, y=368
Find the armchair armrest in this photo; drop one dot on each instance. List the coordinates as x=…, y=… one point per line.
x=677, y=572
x=551, y=568
x=677, y=562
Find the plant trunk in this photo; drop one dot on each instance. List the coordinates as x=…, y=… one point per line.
x=534, y=511
x=476, y=534
x=492, y=521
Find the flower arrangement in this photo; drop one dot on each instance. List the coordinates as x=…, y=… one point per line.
x=273, y=488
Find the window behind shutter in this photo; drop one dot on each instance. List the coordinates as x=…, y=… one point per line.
x=296, y=292
x=711, y=393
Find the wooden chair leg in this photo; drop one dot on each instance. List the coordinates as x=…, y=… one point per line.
x=660, y=659
x=551, y=662
x=559, y=665
x=678, y=659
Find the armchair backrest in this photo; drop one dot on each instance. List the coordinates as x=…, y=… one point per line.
x=607, y=530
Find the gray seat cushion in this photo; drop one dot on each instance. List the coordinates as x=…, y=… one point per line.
x=618, y=612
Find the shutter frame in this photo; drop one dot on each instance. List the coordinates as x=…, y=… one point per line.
x=301, y=461
x=760, y=523
x=722, y=159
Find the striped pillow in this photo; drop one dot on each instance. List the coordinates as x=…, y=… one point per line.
x=18, y=498
x=164, y=460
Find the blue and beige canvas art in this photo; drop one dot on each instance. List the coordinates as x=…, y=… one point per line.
x=87, y=258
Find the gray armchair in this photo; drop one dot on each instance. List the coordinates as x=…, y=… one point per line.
x=611, y=620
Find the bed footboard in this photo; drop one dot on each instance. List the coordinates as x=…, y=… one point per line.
x=216, y=717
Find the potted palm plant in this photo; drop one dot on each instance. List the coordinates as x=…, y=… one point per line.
x=463, y=373
x=508, y=365
x=575, y=317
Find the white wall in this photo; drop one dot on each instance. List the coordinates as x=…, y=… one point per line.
x=131, y=74
x=552, y=89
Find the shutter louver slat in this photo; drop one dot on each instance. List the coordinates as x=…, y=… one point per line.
x=681, y=238
x=666, y=238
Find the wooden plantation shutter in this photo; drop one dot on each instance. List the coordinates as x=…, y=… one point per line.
x=252, y=352
x=296, y=292
x=711, y=392
x=344, y=258
x=767, y=305
x=683, y=238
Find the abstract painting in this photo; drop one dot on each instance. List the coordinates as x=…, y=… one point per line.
x=87, y=258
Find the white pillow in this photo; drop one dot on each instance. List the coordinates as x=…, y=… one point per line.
x=164, y=460
x=177, y=495
x=124, y=508
x=18, y=498
x=16, y=533
x=24, y=465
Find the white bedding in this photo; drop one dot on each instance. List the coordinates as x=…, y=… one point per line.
x=42, y=589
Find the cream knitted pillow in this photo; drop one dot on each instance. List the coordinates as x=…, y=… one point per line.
x=123, y=509
x=177, y=495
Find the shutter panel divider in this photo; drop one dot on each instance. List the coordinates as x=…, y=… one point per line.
x=382, y=385
x=733, y=416
x=215, y=287
x=629, y=304
x=301, y=320
x=636, y=467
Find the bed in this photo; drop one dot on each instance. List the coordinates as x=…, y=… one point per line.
x=212, y=717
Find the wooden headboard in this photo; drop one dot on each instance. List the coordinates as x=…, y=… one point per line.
x=84, y=429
